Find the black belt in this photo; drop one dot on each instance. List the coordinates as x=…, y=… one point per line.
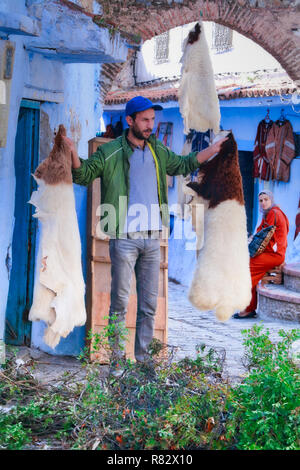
x=144, y=234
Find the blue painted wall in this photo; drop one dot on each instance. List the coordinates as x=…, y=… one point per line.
x=67, y=85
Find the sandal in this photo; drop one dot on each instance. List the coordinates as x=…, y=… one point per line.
x=250, y=315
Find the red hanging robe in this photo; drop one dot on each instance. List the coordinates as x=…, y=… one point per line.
x=261, y=163
x=280, y=150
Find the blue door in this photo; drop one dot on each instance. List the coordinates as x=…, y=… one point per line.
x=18, y=328
x=246, y=167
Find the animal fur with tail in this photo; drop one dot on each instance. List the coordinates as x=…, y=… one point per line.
x=58, y=297
x=197, y=95
x=221, y=280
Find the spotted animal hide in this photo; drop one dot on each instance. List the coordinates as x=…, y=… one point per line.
x=58, y=297
x=221, y=280
x=197, y=96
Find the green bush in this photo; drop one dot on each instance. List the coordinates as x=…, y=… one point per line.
x=264, y=409
x=179, y=405
x=167, y=410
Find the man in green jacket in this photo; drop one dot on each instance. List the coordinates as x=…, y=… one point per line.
x=134, y=207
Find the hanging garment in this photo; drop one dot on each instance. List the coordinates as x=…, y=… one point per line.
x=109, y=132
x=164, y=133
x=280, y=149
x=261, y=164
x=200, y=140
x=221, y=280
x=118, y=128
x=197, y=95
x=58, y=297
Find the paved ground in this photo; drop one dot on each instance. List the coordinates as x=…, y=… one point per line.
x=187, y=328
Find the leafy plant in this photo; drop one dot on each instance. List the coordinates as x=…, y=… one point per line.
x=264, y=409
x=160, y=405
x=113, y=335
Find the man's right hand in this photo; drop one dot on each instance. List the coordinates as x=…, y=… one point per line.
x=71, y=146
x=69, y=143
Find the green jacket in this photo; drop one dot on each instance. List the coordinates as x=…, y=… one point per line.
x=111, y=163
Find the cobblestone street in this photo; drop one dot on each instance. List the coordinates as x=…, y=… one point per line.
x=188, y=327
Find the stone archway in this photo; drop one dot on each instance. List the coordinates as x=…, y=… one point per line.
x=273, y=24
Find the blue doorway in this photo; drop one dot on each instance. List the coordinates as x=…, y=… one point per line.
x=246, y=167
x=17, y=326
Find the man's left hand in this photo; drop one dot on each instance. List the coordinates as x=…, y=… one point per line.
x=210, y=151
x=216, y=147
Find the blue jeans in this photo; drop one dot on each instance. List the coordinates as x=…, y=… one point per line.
x=143, y=256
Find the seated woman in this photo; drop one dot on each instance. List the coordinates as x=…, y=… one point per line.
x=274, y=253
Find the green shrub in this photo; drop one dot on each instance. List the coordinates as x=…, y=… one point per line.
x=264, y=409
x=179, y=405
x=167, y=410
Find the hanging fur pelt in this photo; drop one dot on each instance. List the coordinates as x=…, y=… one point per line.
x=197, y=96
x=58, y=297
x=221, y=280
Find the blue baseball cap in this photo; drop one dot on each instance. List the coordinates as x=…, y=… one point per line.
x=138, y=104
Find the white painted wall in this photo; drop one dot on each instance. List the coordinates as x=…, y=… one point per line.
x=245, y=55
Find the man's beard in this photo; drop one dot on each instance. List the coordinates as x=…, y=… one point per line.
x=138, y=134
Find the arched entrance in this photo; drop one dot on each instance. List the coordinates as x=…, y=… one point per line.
x=272, y=24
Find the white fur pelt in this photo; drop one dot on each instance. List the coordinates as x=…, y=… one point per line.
x=197, y=96
x=222, y=279
x=58, y=297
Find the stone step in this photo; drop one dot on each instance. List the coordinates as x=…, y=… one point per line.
x=276, y=301
x=291, y=276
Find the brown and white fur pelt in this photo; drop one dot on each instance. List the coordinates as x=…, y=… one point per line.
x=222, y=279
x=58, y=297
x=197, y=96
